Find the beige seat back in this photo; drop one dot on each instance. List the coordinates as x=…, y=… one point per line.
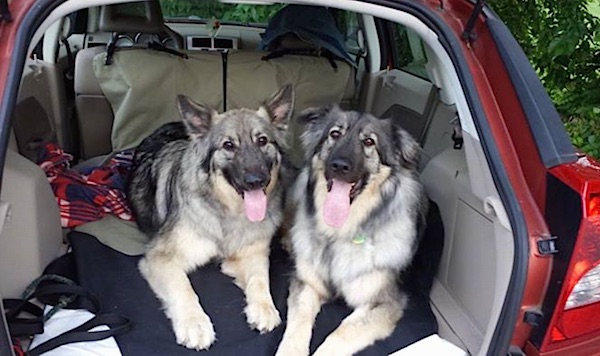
x=94, y=113
x=250, y=80
x=95, y=116
x=142, y=86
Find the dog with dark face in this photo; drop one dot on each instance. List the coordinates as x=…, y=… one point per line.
x=359, y=209
x=211, y=187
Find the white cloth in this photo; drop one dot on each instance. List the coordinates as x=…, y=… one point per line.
x=431, y=345
x=67, y=319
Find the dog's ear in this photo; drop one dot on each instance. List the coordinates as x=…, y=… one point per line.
x=280, y=106
x=314, y=114
x=409, y=147
x=197, y=117
x=406, y=147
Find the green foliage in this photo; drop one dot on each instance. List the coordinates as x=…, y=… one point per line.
x=252, y=13
x=207, y=9
x=585, y=134
x=594, y=8
x=171, y=8
x=562, y=40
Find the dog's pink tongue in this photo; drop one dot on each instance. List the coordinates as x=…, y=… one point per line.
x=337, y=204
x=255, y=205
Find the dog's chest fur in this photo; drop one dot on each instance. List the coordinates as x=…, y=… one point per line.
x=384, y=241
x=341, y=260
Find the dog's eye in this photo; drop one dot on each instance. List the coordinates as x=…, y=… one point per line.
x=368, y=142
x=334, y=134
x=228, y=145
x=262, y=141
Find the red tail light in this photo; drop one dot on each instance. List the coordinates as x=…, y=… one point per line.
x=576, y=316
x=593, y=206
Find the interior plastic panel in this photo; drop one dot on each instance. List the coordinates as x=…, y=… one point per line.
x=477, y=259
x=31, y=236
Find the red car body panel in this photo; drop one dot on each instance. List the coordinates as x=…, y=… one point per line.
x=512, y=134
x=507, y=122
x=525, y=170
x=8, y=33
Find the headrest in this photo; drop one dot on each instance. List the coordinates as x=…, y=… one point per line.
x=304, y=26
x=141, y=16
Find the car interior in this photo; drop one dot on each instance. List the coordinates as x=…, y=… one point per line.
x=103, y=75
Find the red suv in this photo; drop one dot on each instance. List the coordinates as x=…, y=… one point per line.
x=520, y=267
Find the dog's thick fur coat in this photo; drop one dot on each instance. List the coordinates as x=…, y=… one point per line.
x=358, y=252
x=211, y=187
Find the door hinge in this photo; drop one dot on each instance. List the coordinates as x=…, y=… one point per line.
x=547, y=245
x=457, y=136
x=533, y=317
x=468, y=33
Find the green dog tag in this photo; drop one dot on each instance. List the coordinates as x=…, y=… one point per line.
x=359, y=240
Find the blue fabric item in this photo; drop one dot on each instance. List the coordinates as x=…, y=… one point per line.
x=312, y=24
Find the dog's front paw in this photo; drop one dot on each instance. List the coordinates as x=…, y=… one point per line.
x=194, y=331
x=325, y=350
x=263, y=317
x=332, y=346
x=289, y=347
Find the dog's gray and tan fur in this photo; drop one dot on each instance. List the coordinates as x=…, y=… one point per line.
x=361, y=260
x=188, y=187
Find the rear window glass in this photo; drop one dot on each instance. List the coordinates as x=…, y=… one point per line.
x=409, y=52
x=131, y=9
x=348, y=24
x=211, y=9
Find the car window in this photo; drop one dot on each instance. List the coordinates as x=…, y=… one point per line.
x=131, y=9
x=209, y=9
x=408, y=51
x=349, y=26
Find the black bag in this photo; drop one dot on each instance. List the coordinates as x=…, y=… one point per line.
x=57, y=287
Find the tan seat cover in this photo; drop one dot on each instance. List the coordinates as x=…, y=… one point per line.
x=142, y=85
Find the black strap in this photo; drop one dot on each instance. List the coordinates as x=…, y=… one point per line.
x=224, y=62
x=156, y=46
x=162, y=48
x=117, y=324
x=457, y=136
x=71, y=290
x=20, y=327
x=14, y=307
x=70, y=59
x=110, y=51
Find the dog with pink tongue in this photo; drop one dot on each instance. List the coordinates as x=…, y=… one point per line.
x=210, y=187
x=359, y=210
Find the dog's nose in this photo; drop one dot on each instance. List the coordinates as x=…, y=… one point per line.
x=340, y=165
x=254, y=180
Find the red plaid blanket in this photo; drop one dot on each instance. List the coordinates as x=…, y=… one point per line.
x=89, y=195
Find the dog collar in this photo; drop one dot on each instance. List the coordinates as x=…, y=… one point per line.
x=359, y=239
